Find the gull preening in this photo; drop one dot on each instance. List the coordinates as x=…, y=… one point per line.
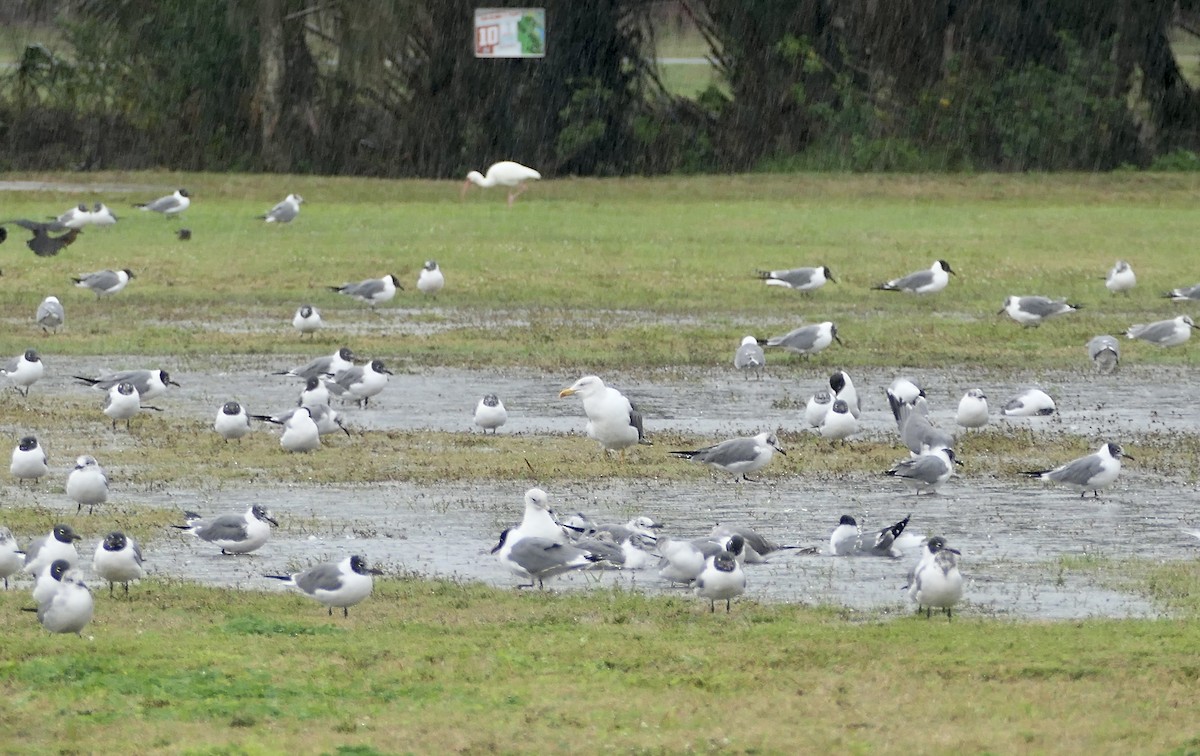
x=737, y=456
x=1031, y=311
x=613, y=421
x=847, y=539
x=505, y=173
x=335, y=585
x=50, y=315
x=1121, y=278
x=1105, y=352
x=922, y=282
x=1090, y=473
x=797, y=279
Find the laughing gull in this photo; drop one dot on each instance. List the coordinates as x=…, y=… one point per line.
x=307, y=319
x=972, y=410
x=122, y=402
x=755, y=546
x=922, y=282
x=50, y=314
x=102, y=216
x=844, y=539
x=936, y=581
x=360, y=383
x=818, y=404
x=76, y=217
x=149, y=383
x=1121, y=278
x=317, y=391
x=373, y=291
x=682, y=561
x=504, y=173
x=1105, y=352
x=171, y=204
x=431, y=280
x=104, y=282
x=285, y=211
x=806, y=340
x=232, y=421
x=42, y=242
x=59, y=543
x=843, y=388
x=47, y=580
x=342, y=359
x=613, y=420
x=70, y=609
x=1028, y=403
x=537, y=559
x=797, y=279
x=28, y=460
x=1031, y=311
x=300, y=432
x=737, y=456
x=904, y=390
x=749, y=356
x=1163, y=333
x=328, y=420
x=118, y=559
x=24, y=370
x=490, y=413
x=838, y=423
x=233, y=533
x=1090, y=473
x=12, y=558
x=343, y=584
x=1184, y=293
x=721, y=579
x=87, y=484
x=926, y=472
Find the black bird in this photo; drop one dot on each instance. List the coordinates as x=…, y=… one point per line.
x=42, y=243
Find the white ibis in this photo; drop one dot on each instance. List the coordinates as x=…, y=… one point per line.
x=505, y=173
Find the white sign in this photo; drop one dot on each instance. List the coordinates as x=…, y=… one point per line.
x=510, y=32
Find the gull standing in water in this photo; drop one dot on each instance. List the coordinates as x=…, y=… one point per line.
x=537, y=559
x=737, y=456
x=749, y=356
x=927, y=472
x=722, y=577
x=613, y=421
x=1090, y=473
x=233, y=533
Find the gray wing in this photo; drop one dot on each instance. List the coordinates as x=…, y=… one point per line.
x=749, y=355
x=49, y=309
x=319, y=366
x=540, y=556
x=101, y=279
x=914, y=280
x=163, y=204
x=368, y=288
x=802, y=338
x=323, y=577
x=12, y=364
x=1153, y=332
x=224, y=528
x=1102, y=344
x=610, y=552
x=139, y=378
x=927, y=468
x=348, y=377
x=1043, y=307
x=1077, y=472
x=137, y=550
x=729, y=452
x=283, y=212
x=795, y=277
x=32, y=550
x=620, y=533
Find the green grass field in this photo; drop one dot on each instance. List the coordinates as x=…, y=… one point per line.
x=640, y=276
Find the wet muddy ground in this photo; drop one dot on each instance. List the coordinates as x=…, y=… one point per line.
x=1011, y=531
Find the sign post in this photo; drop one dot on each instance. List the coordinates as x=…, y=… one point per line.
x=510, y=32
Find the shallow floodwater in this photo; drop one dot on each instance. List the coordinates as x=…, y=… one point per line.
x=1011, y=532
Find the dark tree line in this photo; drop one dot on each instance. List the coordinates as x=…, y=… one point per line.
x=391, y=87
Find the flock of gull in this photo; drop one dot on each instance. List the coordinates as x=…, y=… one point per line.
x=544, y=544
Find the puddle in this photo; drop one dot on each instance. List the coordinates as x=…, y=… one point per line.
x=1009, y=531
